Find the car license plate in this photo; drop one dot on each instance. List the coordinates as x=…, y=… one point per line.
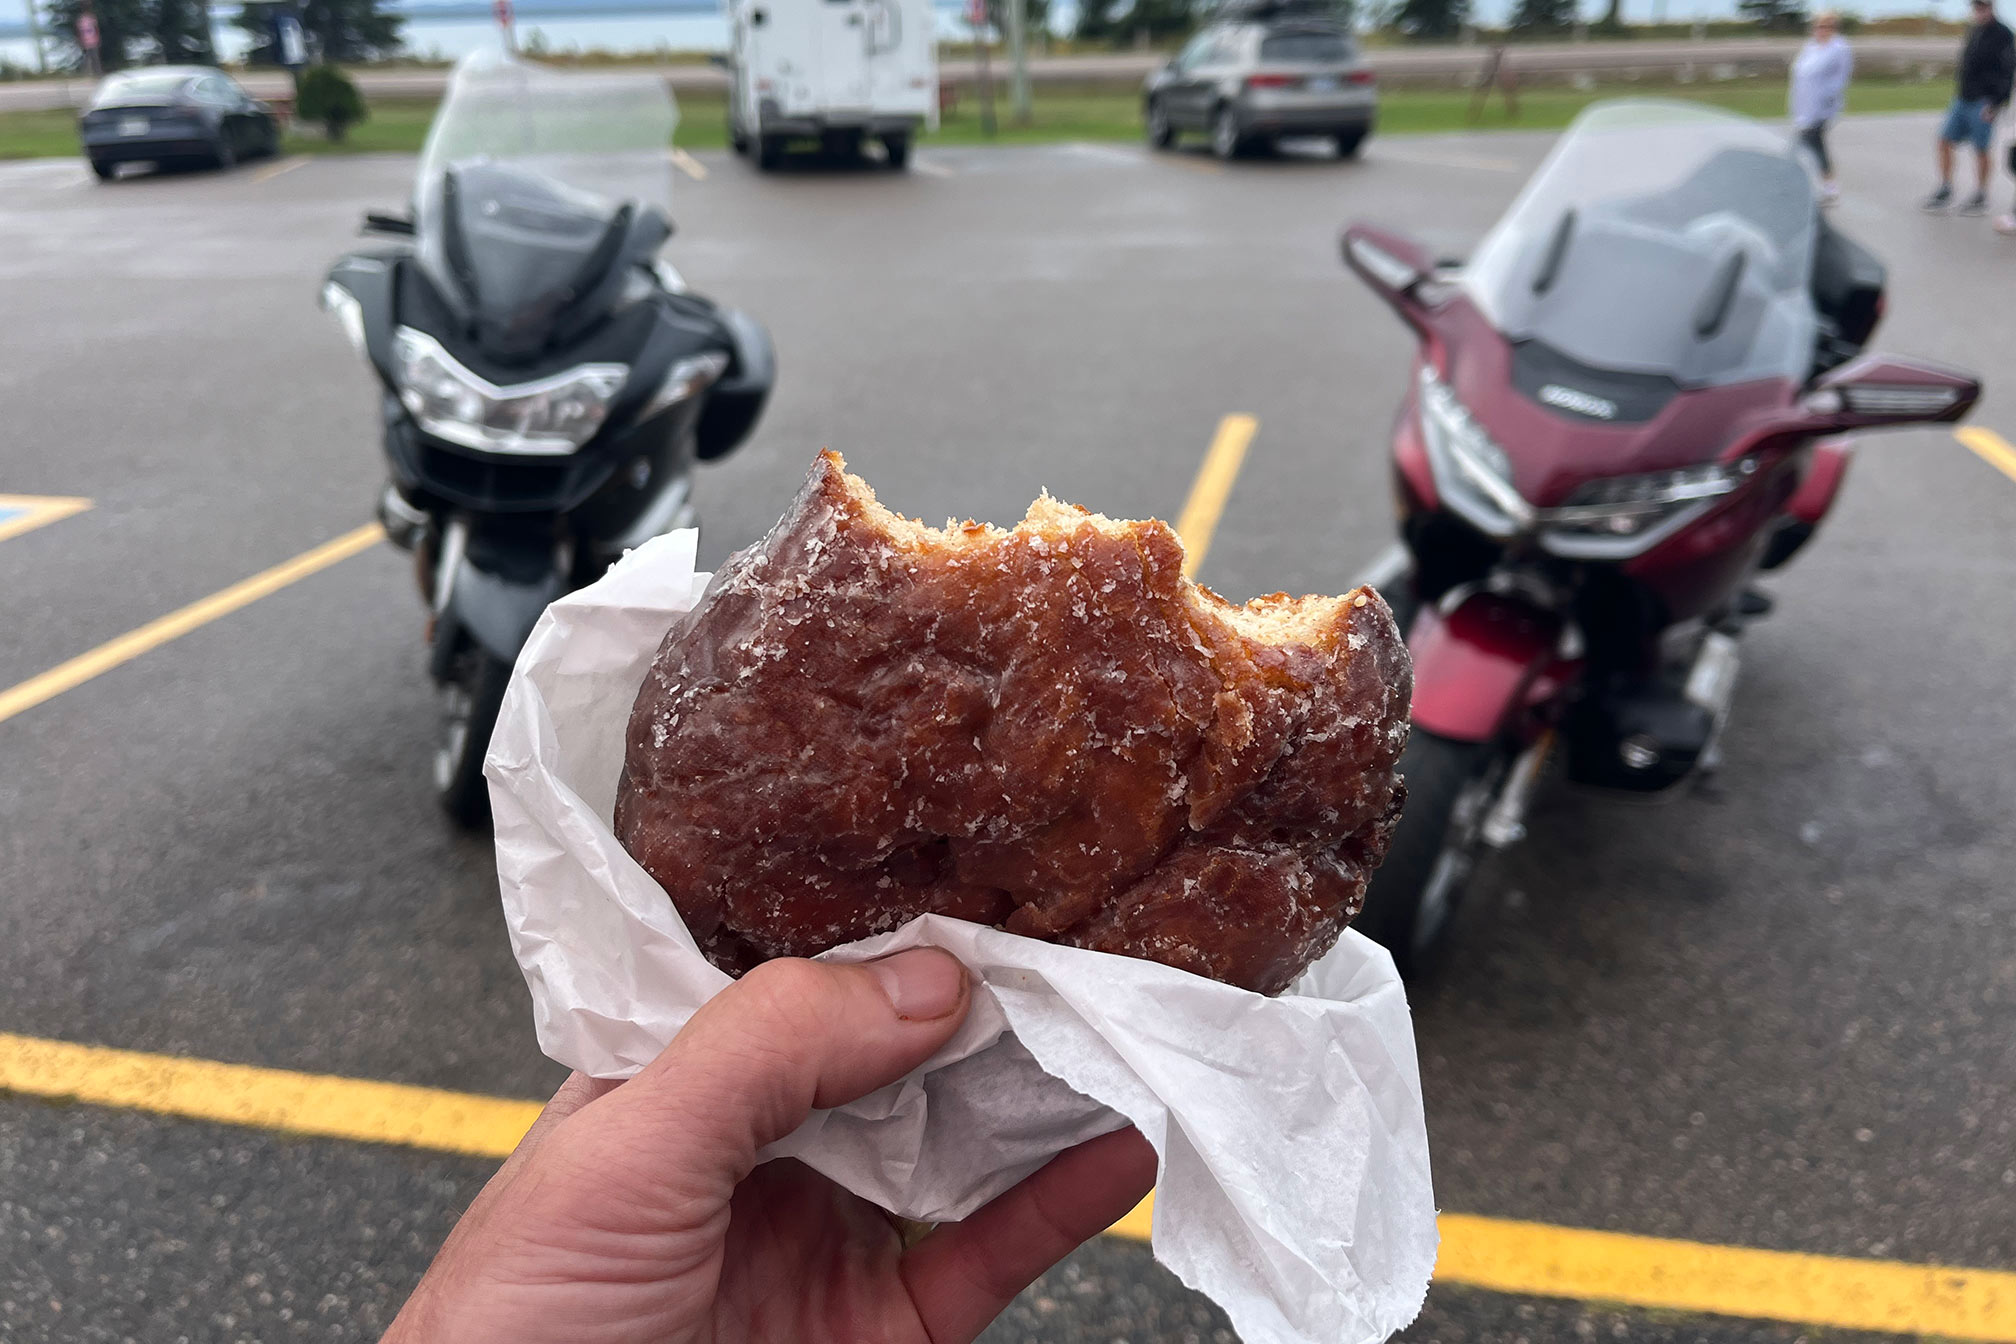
x=1322, y=84
x=132, y=125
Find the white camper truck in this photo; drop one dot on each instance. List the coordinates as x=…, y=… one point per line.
x=837, y=71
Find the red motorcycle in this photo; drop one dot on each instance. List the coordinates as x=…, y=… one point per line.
x=1623, y=409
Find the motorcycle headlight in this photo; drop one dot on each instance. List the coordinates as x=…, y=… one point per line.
x=1625, y=515
x=1472, y=473
x=546, y=417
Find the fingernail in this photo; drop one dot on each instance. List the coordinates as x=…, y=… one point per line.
x=923, y=984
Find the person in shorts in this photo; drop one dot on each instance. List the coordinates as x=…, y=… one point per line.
x=1987, y=68
x=1820, y=75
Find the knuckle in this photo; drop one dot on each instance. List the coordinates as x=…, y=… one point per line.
x=790, y=990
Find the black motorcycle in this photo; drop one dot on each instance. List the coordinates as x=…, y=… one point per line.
x=548, y=381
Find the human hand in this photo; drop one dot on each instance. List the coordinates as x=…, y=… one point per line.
x=635, y=1212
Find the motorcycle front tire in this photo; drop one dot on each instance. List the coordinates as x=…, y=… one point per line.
x=1414, y=895
x=472, y=701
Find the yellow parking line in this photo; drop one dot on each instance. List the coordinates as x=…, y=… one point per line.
x=1523, y=1259
x=1991, y=447
x=1199, y=519
x=85, y=666
x=239, y=1094
x=689, y=165
x=273, y=170
x=1825, y=1290
x=33, y=511
x=1499, y=1255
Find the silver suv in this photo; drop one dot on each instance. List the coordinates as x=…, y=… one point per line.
x=1251, y=80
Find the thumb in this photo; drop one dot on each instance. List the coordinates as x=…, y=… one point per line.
x=788, y=1037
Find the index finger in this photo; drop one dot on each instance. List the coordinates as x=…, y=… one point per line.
x=965, y=1274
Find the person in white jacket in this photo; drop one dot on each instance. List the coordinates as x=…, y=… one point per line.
x=1820, y=74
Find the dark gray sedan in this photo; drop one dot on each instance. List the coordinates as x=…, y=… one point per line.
x=174, y=114
x=1264, y=73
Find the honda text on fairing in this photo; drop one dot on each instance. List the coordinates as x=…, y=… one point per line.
x=547, y=381
x=1623, y=409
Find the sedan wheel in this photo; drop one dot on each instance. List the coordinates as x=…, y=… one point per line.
x=224, y=154
x=1226, y=138
x=1160, y=133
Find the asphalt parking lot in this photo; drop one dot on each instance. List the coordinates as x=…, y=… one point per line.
x=1777, y=1012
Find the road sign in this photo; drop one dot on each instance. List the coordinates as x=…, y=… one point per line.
x=502, y=9
x=287, y=36
x=976, y=13
x=87, y=32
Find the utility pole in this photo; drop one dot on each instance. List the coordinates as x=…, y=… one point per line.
x=976, y=19
x=1018, y=54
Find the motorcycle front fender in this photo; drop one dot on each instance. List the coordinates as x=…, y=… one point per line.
x=494, y=611
x=1476, y=665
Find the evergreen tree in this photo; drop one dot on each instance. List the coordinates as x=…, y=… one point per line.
x=124, y=27
x=1035, y=18
x=347, y=31
x=1117, y=22
x=1431, y=19
x=181, y=32
x=1778, y=15
x=1533, y=18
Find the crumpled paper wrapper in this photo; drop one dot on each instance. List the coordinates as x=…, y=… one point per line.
x=1294, y=1184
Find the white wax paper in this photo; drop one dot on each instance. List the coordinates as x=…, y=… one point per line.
x=1294, y=1185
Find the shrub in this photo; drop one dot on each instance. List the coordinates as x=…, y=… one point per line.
x=327, y=95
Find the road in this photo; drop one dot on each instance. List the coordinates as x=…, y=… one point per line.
x=1403, y=65
x=1772, y=1012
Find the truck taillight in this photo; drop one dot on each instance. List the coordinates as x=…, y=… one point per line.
x=1362, y=77
x=1273, y=82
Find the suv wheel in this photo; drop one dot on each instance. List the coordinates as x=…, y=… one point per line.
x=1228, y=139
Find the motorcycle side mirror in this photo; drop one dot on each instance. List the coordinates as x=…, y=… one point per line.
x=1878, y=390
x=1393, y=264
x=1394, y=267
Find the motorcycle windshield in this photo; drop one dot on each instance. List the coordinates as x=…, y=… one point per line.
x=1662, y=238
x=530, y=181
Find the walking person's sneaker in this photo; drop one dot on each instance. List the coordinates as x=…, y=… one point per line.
x=1939, y=199
x=1977, y=204
x=2005, y=223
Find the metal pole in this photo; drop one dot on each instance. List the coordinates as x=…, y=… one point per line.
x=986, y=89
x=1018, y=52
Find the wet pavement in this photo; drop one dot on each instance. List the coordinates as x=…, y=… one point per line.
x=1771, y=1011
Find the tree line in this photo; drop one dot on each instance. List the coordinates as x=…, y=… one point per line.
x=177, y=32
x=349, y=31
x=1162, y=21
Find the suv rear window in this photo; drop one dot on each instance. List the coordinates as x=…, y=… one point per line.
x=1305, y=46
